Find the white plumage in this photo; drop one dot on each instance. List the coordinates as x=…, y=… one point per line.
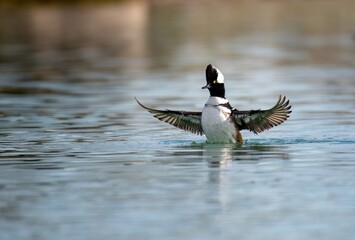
x=216, y=122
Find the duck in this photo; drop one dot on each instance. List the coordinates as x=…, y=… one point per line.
x=218, y=120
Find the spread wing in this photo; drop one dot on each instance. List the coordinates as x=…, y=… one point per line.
x=187, y=121
x=258, y=121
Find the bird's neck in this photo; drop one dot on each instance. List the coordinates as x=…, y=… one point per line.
x=217, y=92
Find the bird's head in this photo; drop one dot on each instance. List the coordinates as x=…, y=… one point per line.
x=215, y=81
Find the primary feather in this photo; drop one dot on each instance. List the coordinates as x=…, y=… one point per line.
x=187, y=121
x=258, y=121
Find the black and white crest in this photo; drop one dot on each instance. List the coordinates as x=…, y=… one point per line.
x=215, y=82
x=213, y=74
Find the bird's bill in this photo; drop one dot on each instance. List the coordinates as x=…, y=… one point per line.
x=207, y=86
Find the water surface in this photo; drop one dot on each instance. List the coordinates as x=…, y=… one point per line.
x=81, y=160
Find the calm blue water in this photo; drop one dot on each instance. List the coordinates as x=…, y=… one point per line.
x=81, y=160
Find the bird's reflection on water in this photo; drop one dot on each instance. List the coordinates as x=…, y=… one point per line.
x=222, y=155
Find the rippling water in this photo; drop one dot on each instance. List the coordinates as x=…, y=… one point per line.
x=81, y=160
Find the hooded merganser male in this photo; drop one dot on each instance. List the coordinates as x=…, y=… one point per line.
x=219, y=121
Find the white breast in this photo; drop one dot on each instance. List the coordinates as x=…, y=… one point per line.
x=216, y=123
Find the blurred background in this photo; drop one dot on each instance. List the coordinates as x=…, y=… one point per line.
x=81, y=160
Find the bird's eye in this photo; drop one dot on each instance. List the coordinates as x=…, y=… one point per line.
x=214, y=81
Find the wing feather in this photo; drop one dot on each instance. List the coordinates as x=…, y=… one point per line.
x=187, y=121
x=258, y=121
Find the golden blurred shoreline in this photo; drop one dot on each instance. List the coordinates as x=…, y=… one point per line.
x=25, y=3
x=30, y=3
